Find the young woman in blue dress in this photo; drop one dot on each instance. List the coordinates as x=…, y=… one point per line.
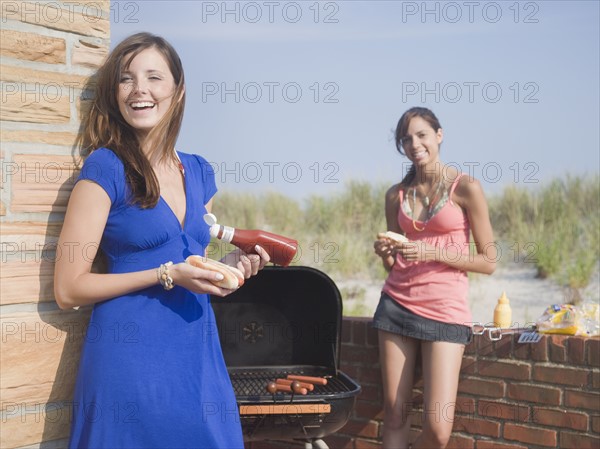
x=159, y=380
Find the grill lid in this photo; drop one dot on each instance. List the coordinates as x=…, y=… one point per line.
x=281, y=317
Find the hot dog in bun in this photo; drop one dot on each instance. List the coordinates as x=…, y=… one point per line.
x=232, y=277
x=399, y=238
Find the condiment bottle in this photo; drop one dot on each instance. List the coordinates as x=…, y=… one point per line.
x=502, y=312
x=281, y=249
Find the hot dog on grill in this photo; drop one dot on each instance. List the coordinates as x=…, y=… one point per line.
x=308, y=379
x=232, y=277
x=274, y=387
x=309, y=387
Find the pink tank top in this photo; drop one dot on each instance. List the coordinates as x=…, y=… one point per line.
x=433, y=290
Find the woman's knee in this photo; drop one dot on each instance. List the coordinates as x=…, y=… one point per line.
x=437, y=434
x=397, y=415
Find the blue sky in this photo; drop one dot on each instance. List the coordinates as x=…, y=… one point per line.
x=300, y=97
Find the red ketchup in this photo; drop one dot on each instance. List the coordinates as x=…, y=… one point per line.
x=281, y=249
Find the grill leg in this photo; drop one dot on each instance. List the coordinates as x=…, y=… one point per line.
x=316, y=443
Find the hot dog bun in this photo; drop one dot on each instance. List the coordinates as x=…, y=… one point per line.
x=393, y=236
x=232, y=277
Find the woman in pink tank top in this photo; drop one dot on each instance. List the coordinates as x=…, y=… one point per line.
x=423, y=307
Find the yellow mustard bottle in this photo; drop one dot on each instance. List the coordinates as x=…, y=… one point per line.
x=502, y=312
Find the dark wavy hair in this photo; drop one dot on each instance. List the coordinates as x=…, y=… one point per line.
x=105, y=126
x=402, y=128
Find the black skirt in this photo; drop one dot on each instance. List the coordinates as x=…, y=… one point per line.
x=393, y=317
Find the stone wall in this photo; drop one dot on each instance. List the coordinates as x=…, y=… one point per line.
x=49, y=50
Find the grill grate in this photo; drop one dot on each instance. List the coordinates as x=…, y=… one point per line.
x=254, y=383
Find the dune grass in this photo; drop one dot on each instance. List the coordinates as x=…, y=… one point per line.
x=335, y=233
x=555, y=227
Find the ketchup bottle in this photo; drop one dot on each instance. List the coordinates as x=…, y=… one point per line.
x=281, y=249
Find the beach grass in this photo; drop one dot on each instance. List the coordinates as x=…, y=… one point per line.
x=554, y=226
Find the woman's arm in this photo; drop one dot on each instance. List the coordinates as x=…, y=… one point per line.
x=382, y=246
x=75, y=284
x=484, y=261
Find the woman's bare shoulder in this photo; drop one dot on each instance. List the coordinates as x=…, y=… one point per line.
x=394, y=190
x=468, y=190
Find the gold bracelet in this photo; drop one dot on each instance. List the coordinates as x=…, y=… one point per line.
x=163, y=276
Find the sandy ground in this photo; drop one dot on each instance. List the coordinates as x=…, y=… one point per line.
x=528, y=296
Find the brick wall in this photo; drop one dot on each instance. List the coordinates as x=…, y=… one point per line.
x=49, y=51
x=510, y=395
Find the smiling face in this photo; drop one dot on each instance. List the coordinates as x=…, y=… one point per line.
x=421, y=143
x=146, y=89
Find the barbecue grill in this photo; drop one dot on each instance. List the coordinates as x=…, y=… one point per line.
x=286, y=321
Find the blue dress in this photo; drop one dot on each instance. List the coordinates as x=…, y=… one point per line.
x=152, y=373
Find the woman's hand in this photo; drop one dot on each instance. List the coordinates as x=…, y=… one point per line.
x=384, y=247
x=248, y=264
x=197, y=280
x=412, y=251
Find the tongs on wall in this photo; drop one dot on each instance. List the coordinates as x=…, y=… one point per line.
x=496, y=333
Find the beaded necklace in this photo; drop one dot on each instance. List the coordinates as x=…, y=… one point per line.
x=433, y=206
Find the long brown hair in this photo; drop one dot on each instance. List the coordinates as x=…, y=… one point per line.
x=402, y=129
x=106, y=127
